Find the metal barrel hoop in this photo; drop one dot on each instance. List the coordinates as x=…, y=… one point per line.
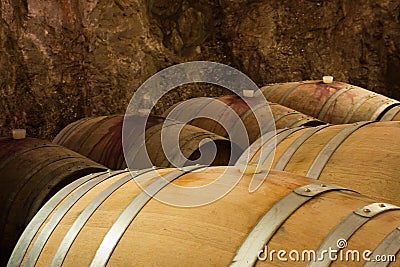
x=265, y=228
x=346, y=228
x=119, y=227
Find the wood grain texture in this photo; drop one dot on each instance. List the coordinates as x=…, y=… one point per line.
x=331, y=103
x=99, y=138
x=164, y=235
x=283, y=117
x=190, y=138
x=31, y=171
x=366, y=161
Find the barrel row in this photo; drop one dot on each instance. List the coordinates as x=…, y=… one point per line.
x=107, y=219
x=89, y=137
x=31, y=171
x=100, y=139
x=336, y=102
x=363, y=156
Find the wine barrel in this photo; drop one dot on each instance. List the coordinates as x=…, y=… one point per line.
x=109, y=220
x=336, y=102
x=191, y=144
x=31, y=171
x=363, y=156
x=392, y=115
x=99, y=138
x=283, y=117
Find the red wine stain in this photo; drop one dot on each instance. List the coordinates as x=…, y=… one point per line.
x=236, y=103
x=111, y=142
x=322, y=93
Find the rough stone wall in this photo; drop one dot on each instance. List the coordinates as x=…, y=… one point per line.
x=67, y=59
x=354, y=41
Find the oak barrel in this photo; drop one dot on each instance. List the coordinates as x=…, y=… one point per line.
x=283, y=117
x=363, y=156
x=194, y=143
x=99, y=138
x=31, y=171
x=109, y=220
x=336, y=102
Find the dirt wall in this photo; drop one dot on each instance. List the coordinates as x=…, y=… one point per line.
x=64, y=60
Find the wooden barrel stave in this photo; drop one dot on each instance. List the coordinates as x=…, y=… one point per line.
x=26, y=176
x=284, y=117
x=218, y=112
x=276, y=93
x=66, y=131
x=189, y=140
x=305, y=155
x=349, y=163
x=335, y=103
x=32, y=170
x=30, y=199
x=11, y=149
x=376, y=107
x=356, y=242
x=133, y=133
x=87, y=132
x=100, y=138
x=104, y=144
x=212, y=234
x=309, y=98
x=289, y=118
x=91, y=139
x=81, y=133
x=392, y=115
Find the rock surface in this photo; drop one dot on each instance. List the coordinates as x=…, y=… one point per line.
x=354, y=41
x=64, y=60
